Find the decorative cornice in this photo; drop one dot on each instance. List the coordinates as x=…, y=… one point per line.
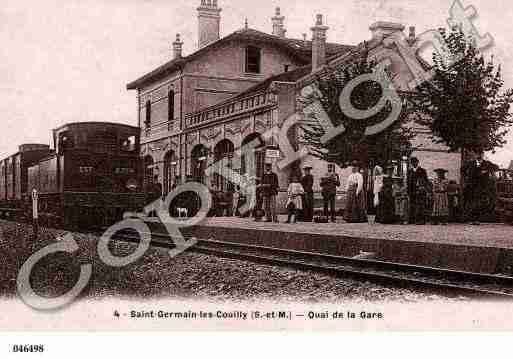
x=211, y=133
x=234, y=128
x=192, y=138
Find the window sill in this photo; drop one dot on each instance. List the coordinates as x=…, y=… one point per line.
x=252, y=74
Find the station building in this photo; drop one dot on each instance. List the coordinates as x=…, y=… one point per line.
x=197, y=109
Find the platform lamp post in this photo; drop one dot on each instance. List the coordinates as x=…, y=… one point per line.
x=35, y=214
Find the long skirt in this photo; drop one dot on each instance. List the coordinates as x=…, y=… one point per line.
x=440, y=204
x=386, y=208
x=355, y=206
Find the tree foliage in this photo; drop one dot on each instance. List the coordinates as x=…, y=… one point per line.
x=463, y=104
x=353, y=144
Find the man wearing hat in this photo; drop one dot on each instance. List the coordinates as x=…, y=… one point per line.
x=329, y=184
x=440, y=197
x=307, y=182
x=270, y=188
x=418, y=184
x=479, y=189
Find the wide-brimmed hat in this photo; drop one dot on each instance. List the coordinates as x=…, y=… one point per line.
x=307, y=167
x=441, y=170
x=355, y=164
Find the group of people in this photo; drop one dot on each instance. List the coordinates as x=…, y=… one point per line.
x=413, y=202
x=300, y=196
x=386, y=199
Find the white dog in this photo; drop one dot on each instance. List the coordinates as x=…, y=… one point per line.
x=182, y=212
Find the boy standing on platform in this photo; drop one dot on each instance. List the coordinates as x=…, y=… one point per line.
x=440, y=197
x=401, y=201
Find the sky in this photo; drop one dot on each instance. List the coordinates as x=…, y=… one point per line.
x=70, y=60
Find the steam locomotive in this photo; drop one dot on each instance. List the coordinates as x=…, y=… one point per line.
x=88, y=180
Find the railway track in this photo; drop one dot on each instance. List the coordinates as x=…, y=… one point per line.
x=437, y=280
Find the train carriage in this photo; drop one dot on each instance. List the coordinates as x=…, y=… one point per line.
x=89, y=180
x=13, y=178
x=92, y=179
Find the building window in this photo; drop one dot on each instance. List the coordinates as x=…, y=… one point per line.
x=253, y=60
x=86, y=170
x=198, y=163
x=147, y=120
x=286, y=68
x=223, y=155
x=128, y=145
x=171, y=106
x=253, y=159
x=170, y=172
x=148, y=171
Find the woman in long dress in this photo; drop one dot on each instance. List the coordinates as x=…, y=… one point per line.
x=355, y=204
x=294, y=199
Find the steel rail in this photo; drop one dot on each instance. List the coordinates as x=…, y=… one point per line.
x=445, y=281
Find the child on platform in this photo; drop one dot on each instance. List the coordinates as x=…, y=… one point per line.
x=440, y=197
x=402, y=210
x=294, y=201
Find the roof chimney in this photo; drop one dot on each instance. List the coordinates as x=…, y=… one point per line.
x=380, y=29
x=278, y=27
x=318, y=43
x=177, y=47
x=209, y=22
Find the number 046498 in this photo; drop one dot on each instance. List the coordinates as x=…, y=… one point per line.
x=25, y=348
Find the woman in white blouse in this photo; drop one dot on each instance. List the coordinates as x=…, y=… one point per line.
x=355, y=203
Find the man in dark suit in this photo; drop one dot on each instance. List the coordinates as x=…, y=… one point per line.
x=307, y=182
x=270, y=188
x=329, y=184
x=417, y=192
x=478, y=188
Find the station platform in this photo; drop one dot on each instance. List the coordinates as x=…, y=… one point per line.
x=487, y=248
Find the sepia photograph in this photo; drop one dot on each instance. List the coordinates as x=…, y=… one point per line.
x=230, y=166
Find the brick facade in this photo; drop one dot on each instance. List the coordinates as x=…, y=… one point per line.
x=215, y=99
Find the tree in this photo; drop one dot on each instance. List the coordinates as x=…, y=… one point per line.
x=463, y=104
x=353, y=145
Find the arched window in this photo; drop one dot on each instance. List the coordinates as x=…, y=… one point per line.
x=224, y=152
x=171, y=106
x=147, y=120
x=148, y=171
x=253, y=155
x=199, y=163
x=170, y=166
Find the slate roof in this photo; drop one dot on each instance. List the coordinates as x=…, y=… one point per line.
x=299, y=48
